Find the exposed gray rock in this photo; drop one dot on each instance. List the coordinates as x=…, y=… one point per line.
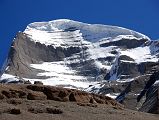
x=25, y=52
x=125, y=43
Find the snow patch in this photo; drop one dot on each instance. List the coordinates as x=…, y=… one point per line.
x=57, y=70
x=8, y=78
x=60, y=75
x=112, y=95
x=140, y=54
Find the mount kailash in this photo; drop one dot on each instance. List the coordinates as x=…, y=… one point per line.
x=102, y=59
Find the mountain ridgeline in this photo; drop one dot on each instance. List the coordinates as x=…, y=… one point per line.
x=102, y=59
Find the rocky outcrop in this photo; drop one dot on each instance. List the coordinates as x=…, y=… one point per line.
x=40, y=92
x=23, y=108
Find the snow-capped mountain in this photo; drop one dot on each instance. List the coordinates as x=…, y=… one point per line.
x=97, y=58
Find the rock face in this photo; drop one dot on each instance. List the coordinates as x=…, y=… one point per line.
x=151, y=103
x=151, y=95
x=41, y=92
x=25, y=52
x=96, y=58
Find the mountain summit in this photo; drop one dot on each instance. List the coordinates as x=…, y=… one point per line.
x=66, y=52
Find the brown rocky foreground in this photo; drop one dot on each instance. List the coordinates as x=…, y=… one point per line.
x=30, y=102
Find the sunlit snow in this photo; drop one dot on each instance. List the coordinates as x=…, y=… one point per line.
x=60, y=74
x=58, y=33
x=140, y=54
x=8, y=78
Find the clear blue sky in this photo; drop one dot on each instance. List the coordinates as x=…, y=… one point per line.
x=139, y=15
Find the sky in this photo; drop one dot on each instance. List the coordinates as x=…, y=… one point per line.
x=138, y=15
